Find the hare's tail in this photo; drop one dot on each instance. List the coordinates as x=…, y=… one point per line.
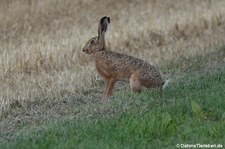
x=166, y=83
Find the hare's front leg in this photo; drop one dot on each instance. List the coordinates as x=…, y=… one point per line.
x=109, y=88
x=135, y=83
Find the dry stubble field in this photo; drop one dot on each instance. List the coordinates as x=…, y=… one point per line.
x=41, y=58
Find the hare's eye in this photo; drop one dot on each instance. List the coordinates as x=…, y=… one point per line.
x=92, y=41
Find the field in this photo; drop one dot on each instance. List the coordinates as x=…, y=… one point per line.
x=49, y=88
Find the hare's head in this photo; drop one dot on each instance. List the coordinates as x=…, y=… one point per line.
x=98, y=43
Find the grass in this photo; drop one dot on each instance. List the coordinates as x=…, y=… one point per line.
x=190, y=111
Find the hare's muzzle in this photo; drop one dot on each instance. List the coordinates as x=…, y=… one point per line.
x=86, y=50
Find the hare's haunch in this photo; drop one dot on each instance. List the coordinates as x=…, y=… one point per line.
x=113, y=66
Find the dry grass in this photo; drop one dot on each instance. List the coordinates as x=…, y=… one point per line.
x=41, y=41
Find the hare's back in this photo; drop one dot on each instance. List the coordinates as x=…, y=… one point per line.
x=117, y=63
x=123, y=61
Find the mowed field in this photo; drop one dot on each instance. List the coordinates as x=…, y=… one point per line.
x=45, y=76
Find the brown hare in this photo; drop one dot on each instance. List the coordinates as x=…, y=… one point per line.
x=113, y=66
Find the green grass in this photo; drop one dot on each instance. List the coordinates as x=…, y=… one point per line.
x=190, y=111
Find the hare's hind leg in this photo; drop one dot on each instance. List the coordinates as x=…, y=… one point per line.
x=135, y=83
x=109, y=88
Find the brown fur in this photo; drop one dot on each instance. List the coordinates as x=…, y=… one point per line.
x=113, y=66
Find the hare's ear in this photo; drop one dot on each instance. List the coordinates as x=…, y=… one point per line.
x=102, y=25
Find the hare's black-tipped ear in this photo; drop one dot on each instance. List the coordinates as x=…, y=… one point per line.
x=103, y=25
